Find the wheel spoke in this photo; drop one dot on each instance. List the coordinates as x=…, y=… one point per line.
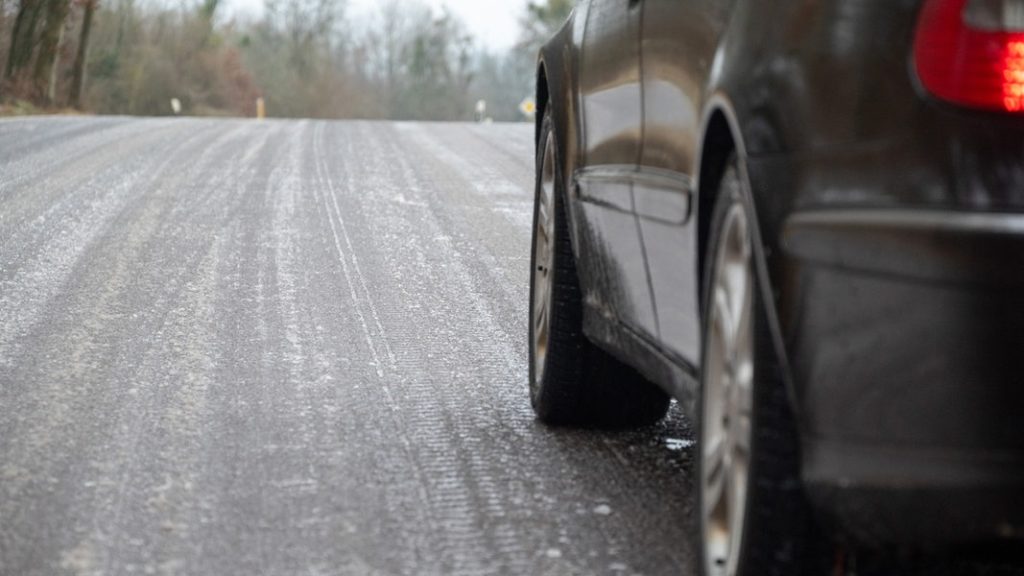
x=541, y=307
x=715, y=473
x=545, y=210
x=736, y=492
x=723, y=317
x=742, y=431
x=745, y=395
x=746, y=247
x=736, y=496
x=744, y=353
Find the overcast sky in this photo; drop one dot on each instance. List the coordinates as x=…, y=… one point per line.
x=494, y=22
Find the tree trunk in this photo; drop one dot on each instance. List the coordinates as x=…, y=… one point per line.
x=49, y=42
x=78, y=70
x=23, y=36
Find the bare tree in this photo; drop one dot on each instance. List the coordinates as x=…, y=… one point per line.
x=43, y=77
x=81, y=54
x=304, y=57
x=542, y=19
x=307, y=25
x=23, y=36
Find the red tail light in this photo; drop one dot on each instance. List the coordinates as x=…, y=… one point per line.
x=971, y=53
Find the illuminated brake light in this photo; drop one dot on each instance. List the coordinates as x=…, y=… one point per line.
x=971, y=52
x=1013, y=74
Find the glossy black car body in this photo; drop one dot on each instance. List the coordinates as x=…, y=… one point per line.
x=890, y=232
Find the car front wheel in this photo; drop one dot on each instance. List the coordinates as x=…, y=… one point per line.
x=572, y=382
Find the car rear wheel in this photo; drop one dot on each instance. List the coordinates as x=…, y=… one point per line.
x=572, y=382
x=753, y=515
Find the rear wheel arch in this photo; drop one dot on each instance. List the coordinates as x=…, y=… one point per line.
x=718, y=146
x=722, y=140
x=775, y=466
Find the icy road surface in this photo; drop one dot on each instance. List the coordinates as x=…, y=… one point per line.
x=231, y=347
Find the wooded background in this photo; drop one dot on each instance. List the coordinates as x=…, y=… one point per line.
x=306, y=58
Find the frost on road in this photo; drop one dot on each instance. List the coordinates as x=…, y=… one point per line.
x=232, y=347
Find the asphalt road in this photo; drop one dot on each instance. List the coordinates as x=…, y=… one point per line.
x=239, y=347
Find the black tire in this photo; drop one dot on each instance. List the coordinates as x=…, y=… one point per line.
x=579, y=384
x=779, y=536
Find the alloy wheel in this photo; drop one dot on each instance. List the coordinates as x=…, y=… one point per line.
x=543, y=258
x=728, y=395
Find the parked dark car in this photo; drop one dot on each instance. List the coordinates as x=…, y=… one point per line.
x=805, y=221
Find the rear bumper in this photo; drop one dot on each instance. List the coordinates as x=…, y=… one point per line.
x=905, y=331
x=966, y=249
x=912, y=495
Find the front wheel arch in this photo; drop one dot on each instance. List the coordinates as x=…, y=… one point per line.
x=543, y=95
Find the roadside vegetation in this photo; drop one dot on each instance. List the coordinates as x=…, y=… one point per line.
x=305, y=58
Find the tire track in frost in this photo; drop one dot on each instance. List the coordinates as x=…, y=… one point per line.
x=298, y=364
x=333, y=216
x=93, y=389
x=422, y=500
x=382, y=498
x=32, y=133
x=284, y=439
x=31, y=189
x=78, y=266
x=41, y=415
x=394, y=413
x=492, y=193
x=54, y=261
x=180, y=372
x=460, y=215
x=27, y=218
x=471, y=143
x=466, y=497
x=260, y=482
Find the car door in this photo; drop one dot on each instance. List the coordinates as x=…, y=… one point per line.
x=679, y=38
x=612, y=122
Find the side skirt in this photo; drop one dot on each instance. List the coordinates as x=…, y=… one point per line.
x=680, y=380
